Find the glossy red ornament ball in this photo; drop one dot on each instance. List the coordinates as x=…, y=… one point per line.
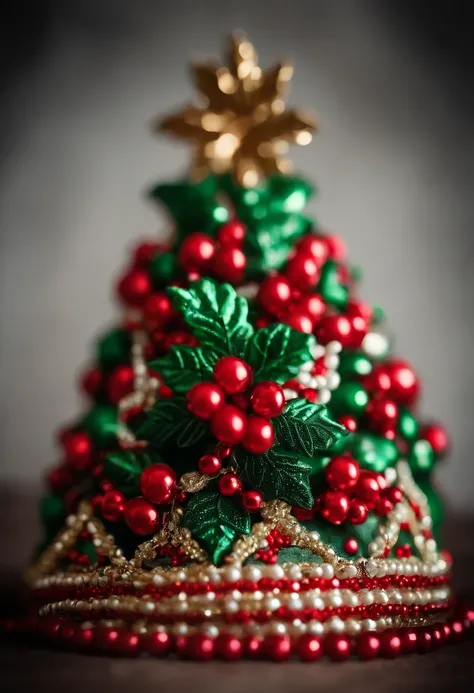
x=274, y=294
x=367, y=489
x=128, y=643
x=394, y=494
x=312, y=305
x=252, y=500
x=158, y=310
x=230, y=485
x=342, y=473
x=60, y=478
x=259, y=435
x=232, y=233
x=315, y=246
x=205, y=399
x=200, y=647
x=336, y=247
x=277, y=647
x=92, y=382
x=302, y=271
x=390, y=644
x=351, y=546
x=299, y=321
x=146, y=251
x=378, y=381
x=337, y=646
x=158, y=483
x=359, y=329
x=83, y=637
x=106, y=637
x=158, y=643
x=267, y=399
x=437, y=437
x=196, y=252
x=228, y=424
x=141, y=516
x=228, y=647
x=382, y=415
x=335, y=328
x=356, y=307
x=112, y=505
x=334, y=506
x=135, y=287
x=120, y=383
x=349, y=422
x=78, y=450
x=309, y=648
x=209, y=464
x=404, y=384
x=368, y=645
x=233, y=374
x=253, y=646
x=229, y=264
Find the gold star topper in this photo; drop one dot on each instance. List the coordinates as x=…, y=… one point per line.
x=242, y=126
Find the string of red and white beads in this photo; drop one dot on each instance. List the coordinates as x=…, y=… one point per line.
x=319, y=375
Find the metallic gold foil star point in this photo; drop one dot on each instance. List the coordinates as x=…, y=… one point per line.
x=242, y=125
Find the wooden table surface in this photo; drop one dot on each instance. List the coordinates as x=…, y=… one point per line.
x=27, y=668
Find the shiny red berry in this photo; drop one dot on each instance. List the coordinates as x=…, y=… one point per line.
x=229, y=264
x=158, y=483
x=78, y=450
x=404, y=385
x=229, y=485
x=233, y=374
x=259, y=435
x=309, y=647
x=267, y=399
x=337, y=647
x=315, y=246
x=205, y=399
x=312, y=305
x=135, y=287
x=274, y=294
x=368, y=645
x=158, y=310
x=141, y=516
x=382, y=415
x=342, y=473
x=302, y=271
x=357, y=512
x=437, y=437
x=209, y=464
x=120, y=383
x=367, y=489
x=228, y=424
x=196, y=252
x=112, y=505
x=252, y=500
x=232, y=233
x=335, y=328
x=92, y=382
x=334, y=506
x=299, y=321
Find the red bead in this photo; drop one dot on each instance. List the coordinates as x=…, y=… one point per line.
x=351, y=546
x=267, y=399
x=358, y=512
x=158, y=483
x=348, y=422
x=128, y=643
x=277, y=647
x=309, y=648
x=106, y=638
x=274, y=294
x=78, y=450
x=120, y=383
x=253, y=646
x=177, y=337
x=209, y=464
x=383, y=507
x=200, y=647
x=302, y=271
x=409, y=639
x=228, y=647
x=315, y=246
x=135, y=287
x=229, y=485
x=301, y=322
x=337, y=647
x=223, y=451
x=378, y=381
x=228, y=424
x=311, y=305
x=335, y=328
x=196, y=252
x=158, y=310
x=141, y=516
x=437, y=437
x=259, y=435
x=390, y=644
x=232, y=233
x=404, y=385
x=368, y=645
x=112, y=505
x=382, y=415
x=334, y=506
x=145, y=252
x=361, y=309
x=60, y=478
x=92, y=382
x=229, y=264
x=232, y=374
x=252, y=500
x=367, y=488
x=359, y=329
x=205, y=399
x=342, y=473
x=394, y=494
x=336, y=247
x=158, y=643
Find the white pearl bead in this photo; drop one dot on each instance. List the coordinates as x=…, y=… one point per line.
x=375, y=345
x=327, y=571
x=212, y=631
x=368, y=624
x=353, y=627
x=312, y=601
x=304, y=378
x=271, y=603
x=274, y=572
x=409, y=597
x=295, y=572
x=317, y=351
x=331, y=361
x=324, y=396
x=289, y=394
x=158, y=579
x=320, y=382
x=334, y=347
x=231, y=605
x=253, y=573
x=316, y=571
x=333, y=380
x=315, y=628
x=180, y=629
x=277, y=628
x=336, y=625
x=231, y=573
x=334, y=599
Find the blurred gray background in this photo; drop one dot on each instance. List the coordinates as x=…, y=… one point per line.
x=394, y=161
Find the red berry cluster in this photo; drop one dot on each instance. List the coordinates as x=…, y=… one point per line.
x=275, y=541
x=238, y=413
x=222, y=258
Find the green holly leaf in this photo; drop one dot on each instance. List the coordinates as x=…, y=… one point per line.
x=216, y=315
x=289, y=193
x=330, y=287
x=277, y=352
x=277, y=474
x=185, y=366
x=216, y=521
x=373, y=452
x=307, y=428
x=124, y=468
x=169, y=419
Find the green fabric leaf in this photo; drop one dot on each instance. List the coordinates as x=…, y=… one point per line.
x=216, y=315
x=307, y=428
x=277, y=474
x=169, y=419
x=373, y=452
x=277, y=352
x=330, y=287
x=337, y=535
x=124, y=467
x=216, y=521
x=185, y=366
